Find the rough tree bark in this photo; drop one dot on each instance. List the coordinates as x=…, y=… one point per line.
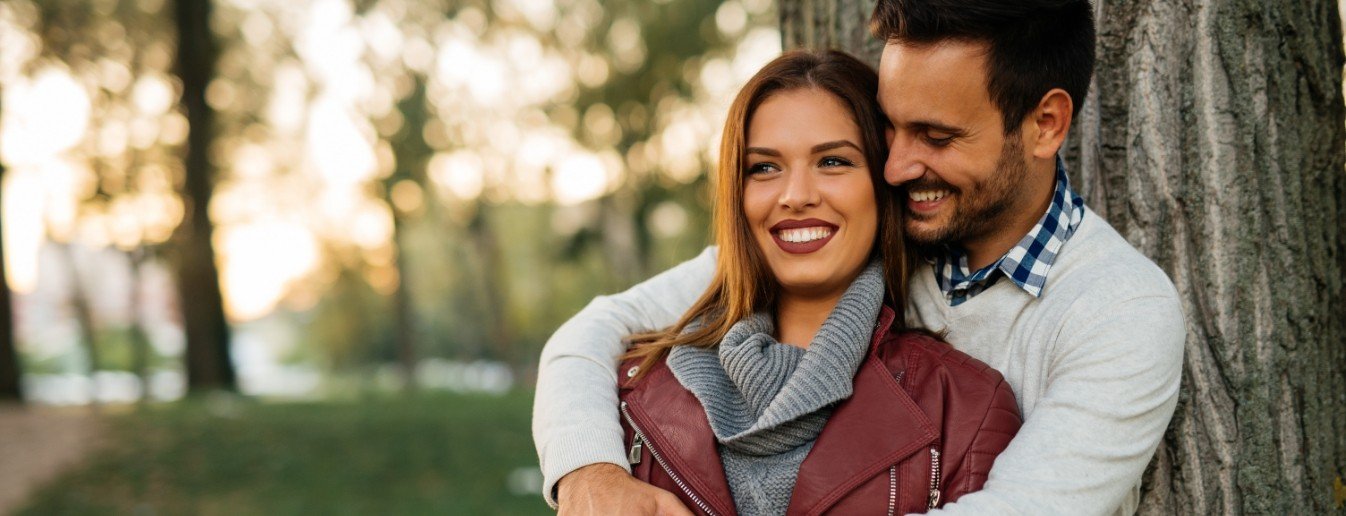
x=1215, y=143
x=10, y=386
x=1214, y=139
x=821, y=24
x=208, y=363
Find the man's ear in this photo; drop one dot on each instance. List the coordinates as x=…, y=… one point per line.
x=1051, y=119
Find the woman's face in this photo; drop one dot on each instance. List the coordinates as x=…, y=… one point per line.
x=808, y=196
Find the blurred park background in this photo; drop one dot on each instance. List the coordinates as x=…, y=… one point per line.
x=301, y=255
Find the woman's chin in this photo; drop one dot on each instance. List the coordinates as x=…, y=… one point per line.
x=811, y=285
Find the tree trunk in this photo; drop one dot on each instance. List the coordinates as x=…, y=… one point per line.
x=830, y=24
x=1215, y=143
x=10, y=386
x=411, y=155
x=80, y=304
x=208, y=363
x=140, y=342
x=1215, y=140
x=403, y=310
x=492, y=283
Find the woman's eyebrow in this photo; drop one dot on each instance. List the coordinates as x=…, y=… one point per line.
x=764, y=151
x=824, y=147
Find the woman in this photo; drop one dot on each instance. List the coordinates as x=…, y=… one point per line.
x=790, y=387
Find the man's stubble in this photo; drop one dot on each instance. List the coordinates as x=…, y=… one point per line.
x=978, y=212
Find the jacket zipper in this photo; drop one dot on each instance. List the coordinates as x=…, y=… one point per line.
x=934, y=477
x=640, y=437
x=633, y=456
x=892, y=490
x=892, y=472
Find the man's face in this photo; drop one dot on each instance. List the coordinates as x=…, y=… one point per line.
x=962, y=174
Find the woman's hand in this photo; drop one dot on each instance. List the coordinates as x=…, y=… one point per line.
x=602, y=489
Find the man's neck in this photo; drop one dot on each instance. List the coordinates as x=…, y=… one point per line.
x=1019, y=220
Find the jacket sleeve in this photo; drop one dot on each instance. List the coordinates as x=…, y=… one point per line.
x=1110, y=393
x=998, y=425
x=575, y=420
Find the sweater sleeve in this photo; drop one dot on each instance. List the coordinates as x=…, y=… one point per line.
x=575, y=406
x=1112, y=388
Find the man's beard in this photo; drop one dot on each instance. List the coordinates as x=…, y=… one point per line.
x=979, y=211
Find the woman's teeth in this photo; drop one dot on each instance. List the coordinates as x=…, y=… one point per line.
x=800, y=235
x=927, y=195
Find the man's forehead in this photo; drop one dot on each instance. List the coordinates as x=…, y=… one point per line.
x=936, y=82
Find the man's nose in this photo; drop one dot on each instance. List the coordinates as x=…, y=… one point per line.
x=902, y=165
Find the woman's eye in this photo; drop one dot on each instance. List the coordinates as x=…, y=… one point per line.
x=761, y=168
x=833, y=161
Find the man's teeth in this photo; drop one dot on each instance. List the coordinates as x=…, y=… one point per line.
x=927, y=195
x=799, y=235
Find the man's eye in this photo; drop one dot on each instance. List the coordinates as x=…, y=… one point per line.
x=938, y=139
x=833, y=161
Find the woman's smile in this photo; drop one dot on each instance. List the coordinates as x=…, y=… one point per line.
x=803, y=236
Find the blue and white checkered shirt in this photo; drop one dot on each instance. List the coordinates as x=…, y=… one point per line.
x=1028, y=262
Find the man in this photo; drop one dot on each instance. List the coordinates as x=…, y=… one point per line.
x=1023, y=276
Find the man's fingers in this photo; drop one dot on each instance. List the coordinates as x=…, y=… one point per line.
x=669, y=505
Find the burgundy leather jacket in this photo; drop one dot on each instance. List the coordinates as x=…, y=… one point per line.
x=922, y=428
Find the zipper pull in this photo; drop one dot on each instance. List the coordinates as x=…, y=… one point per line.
x=935, y=474
x=637, y=445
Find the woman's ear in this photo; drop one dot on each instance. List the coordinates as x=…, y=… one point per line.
x=1049, y=123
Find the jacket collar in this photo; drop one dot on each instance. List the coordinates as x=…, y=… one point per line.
x=877, y=427
x=675, y=423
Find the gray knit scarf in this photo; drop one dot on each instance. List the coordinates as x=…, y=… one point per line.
x=767, y=402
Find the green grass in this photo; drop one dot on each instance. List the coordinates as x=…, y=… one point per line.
x=425, y=454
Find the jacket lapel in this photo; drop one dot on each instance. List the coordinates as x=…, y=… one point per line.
x=674, y=421
x=877, y=427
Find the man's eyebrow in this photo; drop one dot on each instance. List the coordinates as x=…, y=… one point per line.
x=937, y=126
x=824, y=147
x=763, y=150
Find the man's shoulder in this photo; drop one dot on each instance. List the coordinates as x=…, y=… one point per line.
x=1107, y=292
x=1098, y=264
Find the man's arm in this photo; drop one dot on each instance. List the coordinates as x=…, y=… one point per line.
x=1113, y=386
x=575, y=410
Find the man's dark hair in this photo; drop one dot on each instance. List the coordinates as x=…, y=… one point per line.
x=1035, y=45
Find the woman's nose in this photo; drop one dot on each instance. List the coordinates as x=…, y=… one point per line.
x=800, y=191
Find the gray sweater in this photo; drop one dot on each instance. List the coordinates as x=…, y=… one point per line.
x=766, y=401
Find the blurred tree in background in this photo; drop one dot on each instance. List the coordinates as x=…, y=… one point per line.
x=90, y=140
x=208, y=363
x=10, y=386
x=348, y=187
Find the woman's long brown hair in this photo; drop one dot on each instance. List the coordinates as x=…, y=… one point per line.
x=743, y=284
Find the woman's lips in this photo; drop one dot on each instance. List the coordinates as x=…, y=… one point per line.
x=818, y=233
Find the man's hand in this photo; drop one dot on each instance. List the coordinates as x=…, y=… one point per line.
x=602, y=489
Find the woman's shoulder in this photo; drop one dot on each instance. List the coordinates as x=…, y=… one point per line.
x=928, y=351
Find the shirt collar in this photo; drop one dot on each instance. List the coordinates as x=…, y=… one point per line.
x=1028, y=262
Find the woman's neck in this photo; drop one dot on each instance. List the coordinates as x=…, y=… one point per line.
x=799, y=317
